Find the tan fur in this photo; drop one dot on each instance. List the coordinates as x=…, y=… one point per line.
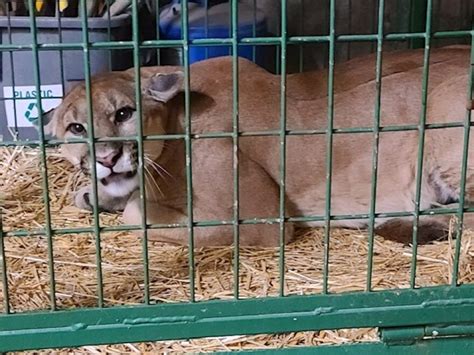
x=307, y=108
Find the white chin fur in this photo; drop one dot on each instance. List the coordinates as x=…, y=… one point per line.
x=102, y=171
x=121, y=188
x=124, y=164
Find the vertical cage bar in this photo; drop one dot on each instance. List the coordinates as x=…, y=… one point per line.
x=158, y=35
x=375, y=144
x=417, y=20
x=421, y=141
x=109, y=31
x=282, y=214
x=141, y=155
x=374, y=24
x=235, y=141
x=230, y=25
x=349, y=19
x=188, y=146
x=277, y=60
x=301, y=46
x=464, y=168
x=329, y=142
x=44, y=163
x=12, y=73
x=206, y=27
x=254, y=29
x=61, y=52
x=92, y=155
x=3, y=265
x=277, y=49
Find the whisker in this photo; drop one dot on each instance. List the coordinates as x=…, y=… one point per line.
x=147, y=178
x=155, y=183
x=151, y=161
x=160, y=174
x=151, y=189
x=154, y=163
x=159, y=170
x=154, y=169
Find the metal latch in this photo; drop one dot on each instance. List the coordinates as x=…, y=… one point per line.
x=411, y=335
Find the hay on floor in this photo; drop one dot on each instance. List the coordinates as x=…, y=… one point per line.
x=76, y=272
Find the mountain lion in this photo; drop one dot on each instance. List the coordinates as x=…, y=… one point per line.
x=114, y=113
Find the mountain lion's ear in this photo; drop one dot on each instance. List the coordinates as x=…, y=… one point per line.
x=163, y=87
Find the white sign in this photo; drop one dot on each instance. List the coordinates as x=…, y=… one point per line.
x=26, y=105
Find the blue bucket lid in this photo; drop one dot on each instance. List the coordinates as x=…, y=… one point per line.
x=218, y=20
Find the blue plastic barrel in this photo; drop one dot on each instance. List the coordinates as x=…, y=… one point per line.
x=251, y=24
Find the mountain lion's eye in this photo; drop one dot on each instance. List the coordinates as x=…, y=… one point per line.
x=76, y=128
x=123, y=114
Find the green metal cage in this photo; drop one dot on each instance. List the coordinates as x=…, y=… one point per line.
x=431, y=320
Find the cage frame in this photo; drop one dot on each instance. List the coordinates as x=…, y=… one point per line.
x=429, y=318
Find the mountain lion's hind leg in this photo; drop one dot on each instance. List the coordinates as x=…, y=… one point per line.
x=401, y=229
x=430, y=228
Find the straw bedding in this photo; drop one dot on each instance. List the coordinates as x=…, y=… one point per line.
x=76, y=277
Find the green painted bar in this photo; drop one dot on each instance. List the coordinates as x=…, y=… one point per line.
x=92, y=155
x=12, y=73
x=458, y=345
x=235, y=142
x=210, y=223
x=375, y=144
x=301, y=30
x=200, y=42
x=188, y=144
x=396, y=128
x=61, y=52
x=282, y=164
x=328, y=307
x=44, y=164
x=254, y=27
x=397, y=335
x=3, y=266
x=429, y=346
x=141, y=156
x=55, y=142
x=426, y=307
x=244, y=41
x=206, y=25
x=464, y=169
x=109, y=31
x=329, y=143
x=158, y=38
x=418, y=11
x=421, y=141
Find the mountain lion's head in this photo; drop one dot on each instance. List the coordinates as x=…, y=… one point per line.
x=114, y=111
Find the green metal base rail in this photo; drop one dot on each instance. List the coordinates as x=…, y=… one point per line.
x=449, y=346
x=405, y=316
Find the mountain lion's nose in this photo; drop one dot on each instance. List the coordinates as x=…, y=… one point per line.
x=110, y=159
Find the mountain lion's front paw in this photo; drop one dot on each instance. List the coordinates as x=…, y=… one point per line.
x=83, y=198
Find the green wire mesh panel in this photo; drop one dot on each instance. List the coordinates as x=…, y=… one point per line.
x=445, y=314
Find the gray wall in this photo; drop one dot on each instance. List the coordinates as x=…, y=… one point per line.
x=310, y=17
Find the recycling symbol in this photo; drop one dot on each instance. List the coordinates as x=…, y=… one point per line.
x=32, y=107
